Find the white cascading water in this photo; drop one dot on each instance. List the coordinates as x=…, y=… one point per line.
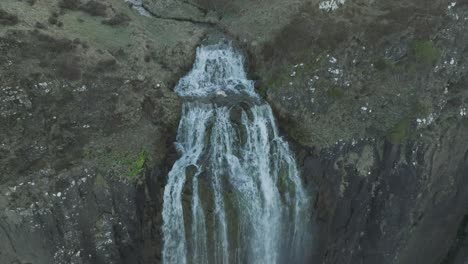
x=235, y=194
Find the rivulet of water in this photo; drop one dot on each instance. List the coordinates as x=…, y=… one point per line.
x=235, y=195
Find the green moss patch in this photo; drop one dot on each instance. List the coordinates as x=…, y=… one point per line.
x=335, y=93
x=425, y=52
x=383, y=64
x=400, y=131
x=126, y=164
x=138, y=165
x=403, y=130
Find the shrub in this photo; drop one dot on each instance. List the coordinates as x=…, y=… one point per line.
x=56, y=45
x=40, y=25
x=117, y=20
x=8, y=19
x=106, y=65
x=69, y=69
x=94, y=8
x=69, y=4
x=52, y=20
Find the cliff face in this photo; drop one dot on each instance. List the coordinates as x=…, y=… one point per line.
x=371, y=94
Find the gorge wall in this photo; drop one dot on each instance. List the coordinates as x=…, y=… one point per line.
x=370, y=94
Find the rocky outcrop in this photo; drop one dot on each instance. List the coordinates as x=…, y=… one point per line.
x=86, y=106
x=391, y=188
x=371, y=94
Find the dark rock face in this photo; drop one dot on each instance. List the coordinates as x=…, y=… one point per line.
x=371, y=94
x=408, y=208
x=85, y=222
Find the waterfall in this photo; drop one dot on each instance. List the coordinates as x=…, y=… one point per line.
x=235, y=194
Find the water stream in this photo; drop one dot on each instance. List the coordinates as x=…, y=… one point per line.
x=235, y=194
